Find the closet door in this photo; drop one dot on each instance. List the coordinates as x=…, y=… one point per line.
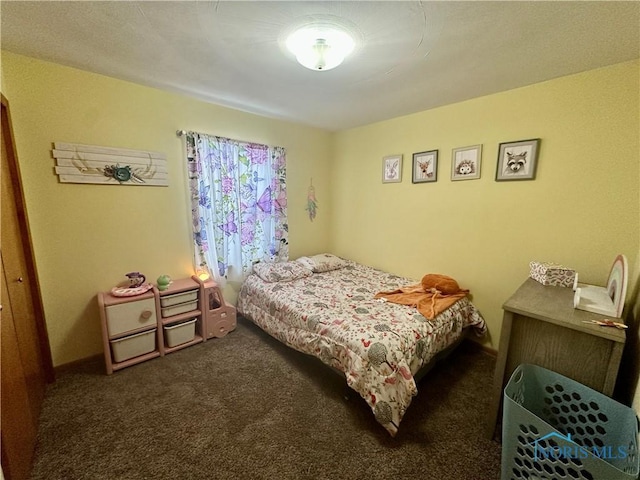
x=25, y=356
x=18, y=425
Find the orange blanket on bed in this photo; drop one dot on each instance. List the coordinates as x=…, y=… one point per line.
x=433, y=295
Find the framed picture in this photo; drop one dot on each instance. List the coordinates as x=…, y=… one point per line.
x=425, y=167
x=518, y=160
x=392, y=169
x=465, y=162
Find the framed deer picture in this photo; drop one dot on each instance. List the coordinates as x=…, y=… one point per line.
x=425, y=166
x=392, y=169
x=517, y=160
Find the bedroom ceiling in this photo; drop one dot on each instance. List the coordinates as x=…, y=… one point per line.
x=414, y=55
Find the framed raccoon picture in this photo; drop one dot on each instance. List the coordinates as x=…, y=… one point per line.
x=517, y=160
x=465, y=162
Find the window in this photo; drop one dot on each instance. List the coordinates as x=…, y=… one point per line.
x=238, y=204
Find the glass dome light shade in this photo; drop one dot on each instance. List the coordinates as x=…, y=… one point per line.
x=320, y=47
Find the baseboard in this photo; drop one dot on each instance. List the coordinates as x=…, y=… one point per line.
x=58, y=369
x=480, y=346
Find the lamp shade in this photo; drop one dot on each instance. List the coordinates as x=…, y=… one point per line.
x=320, y=46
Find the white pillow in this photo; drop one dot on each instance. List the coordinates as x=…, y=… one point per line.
x=323, y=262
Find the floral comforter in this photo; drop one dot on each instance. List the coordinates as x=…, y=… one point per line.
x=378, y=345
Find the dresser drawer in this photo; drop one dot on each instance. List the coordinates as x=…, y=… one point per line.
x=176, y=298
x=130, y=316
x=133, y=346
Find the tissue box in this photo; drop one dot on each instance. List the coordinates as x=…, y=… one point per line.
x=552, y=274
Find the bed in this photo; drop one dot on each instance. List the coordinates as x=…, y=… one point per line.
x=328, y=310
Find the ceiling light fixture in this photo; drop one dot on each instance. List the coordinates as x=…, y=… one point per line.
x=320, y=46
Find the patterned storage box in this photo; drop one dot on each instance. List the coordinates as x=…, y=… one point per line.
x=552, y=274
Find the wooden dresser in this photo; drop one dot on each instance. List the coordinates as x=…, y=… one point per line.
x=541, y=327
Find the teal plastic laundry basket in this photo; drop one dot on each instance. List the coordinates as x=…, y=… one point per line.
x=556, y=428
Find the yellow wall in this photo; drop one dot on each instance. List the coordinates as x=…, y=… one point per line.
x=86, y=237
x=581, y=210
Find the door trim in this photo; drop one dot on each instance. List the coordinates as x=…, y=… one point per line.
x=14, y=174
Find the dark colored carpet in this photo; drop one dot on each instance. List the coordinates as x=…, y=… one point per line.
x=247, y=407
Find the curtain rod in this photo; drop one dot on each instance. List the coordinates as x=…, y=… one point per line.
x=180, y=133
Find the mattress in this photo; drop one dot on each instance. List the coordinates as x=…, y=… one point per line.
x=378, y=345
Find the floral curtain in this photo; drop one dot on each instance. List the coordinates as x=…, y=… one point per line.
x=238, y=204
